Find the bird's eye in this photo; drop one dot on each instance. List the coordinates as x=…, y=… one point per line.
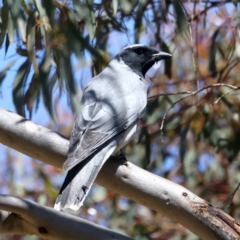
x=139, y=51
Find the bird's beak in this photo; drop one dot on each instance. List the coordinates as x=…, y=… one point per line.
x=159, y=56
x=153, y=59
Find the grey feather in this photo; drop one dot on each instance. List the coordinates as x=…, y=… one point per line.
x=108, y=108
x=112, y=104
x=81, y=177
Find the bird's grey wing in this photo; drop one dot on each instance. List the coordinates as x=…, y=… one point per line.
x=101, y=118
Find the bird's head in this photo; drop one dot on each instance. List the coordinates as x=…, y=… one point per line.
x=141, y=58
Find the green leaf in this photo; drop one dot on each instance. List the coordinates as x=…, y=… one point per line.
x=147, y=161
x=40, y=8
x=6, y=45
x=152, y=106
x=31, y=40
x=46, y=90
x=10, y=28
x=78, y=40
x=190, y=160
x=52, y=81
x=138, y=20
x=144, y=153
x=66, y=74
x=47, y=183
x=168, y=62
x=4, y=17
x=212, y=53
x=22, y=28
x=85, y=11
x=22, y=52
x=128, y=6
x=18, y=87
x=183, y=140
x=15, y=10
x=49, y=8
x=32, y=93
x=235, y=2
x=23, y=4
x=30, y=23
x=4, y=71
x=181, y=17
x=115, y=7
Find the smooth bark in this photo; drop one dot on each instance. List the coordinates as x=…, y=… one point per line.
x=30, y=218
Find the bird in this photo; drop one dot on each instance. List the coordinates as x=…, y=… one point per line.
x=111, y=106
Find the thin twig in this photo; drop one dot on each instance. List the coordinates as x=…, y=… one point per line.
x=230, y=198
x=169, y=94
x=165, y=114
x=234, y=63
x=233, y=194
x=126, y=29
x=216, y=102
x=190, y=93
x=233, y=88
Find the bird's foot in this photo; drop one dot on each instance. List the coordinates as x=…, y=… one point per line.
x=121, y=156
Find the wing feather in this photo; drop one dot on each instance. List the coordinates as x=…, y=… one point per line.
x=103, y=117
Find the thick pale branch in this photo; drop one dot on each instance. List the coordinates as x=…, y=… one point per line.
x=31, y=218
x=125, y=178
x=31, y=139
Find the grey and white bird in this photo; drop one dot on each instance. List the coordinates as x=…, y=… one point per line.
x=112, y=104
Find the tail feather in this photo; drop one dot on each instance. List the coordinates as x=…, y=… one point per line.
x=80, y=178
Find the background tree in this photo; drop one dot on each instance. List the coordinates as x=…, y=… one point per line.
x=190, y=133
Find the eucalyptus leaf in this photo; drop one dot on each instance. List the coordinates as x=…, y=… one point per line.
x=32, y=93
x=6, y=44
x=183, y=141
x=212, y=53
x=49, y=8
x=3, y=72
x=138, y=20
x=115, y=7
x=30, y=42
x=40, y=8
x=168, y=62
x=15, y=10
x=22, y=28
x=18, y=86
x=67, y=76
x=85, y=10
x=46, y=91
x=4, y=18
x=147, y=159
x=127, y=5
x=10, y=28
x=181, y=20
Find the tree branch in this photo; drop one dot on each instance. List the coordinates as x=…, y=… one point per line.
x=189, y=94
x=159, y=194
x=31, y=218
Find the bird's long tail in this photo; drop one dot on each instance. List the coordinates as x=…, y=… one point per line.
x=80, y=178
